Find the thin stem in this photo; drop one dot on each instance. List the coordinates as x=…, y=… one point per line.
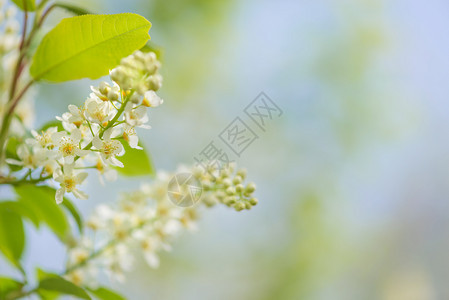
x=7, y=120
x=13, y=181
x=25, y=22
x=24, y=44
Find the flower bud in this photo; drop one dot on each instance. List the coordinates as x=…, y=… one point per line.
x=237, y=179
x=239, y=206
x=230, y=200
x=230, y=190
x=250, y=188
x=239, y=188
x=227, y=182
x=253, y=201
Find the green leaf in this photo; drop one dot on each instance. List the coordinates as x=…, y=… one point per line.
x=88, y=46
x=12, y=234
x=11, y=152
x=8, y=285
x=79, y=11
x=23, y=210
x=103, y=293
x=41, y=199
x=59, y=284
x=74, y=212
x=54, y=123
x=46, y=294
x=137, y=162
x=30, y=5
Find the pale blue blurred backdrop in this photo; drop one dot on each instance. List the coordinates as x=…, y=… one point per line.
x=353, y=179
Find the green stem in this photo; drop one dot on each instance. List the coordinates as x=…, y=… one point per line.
x=12, y=181
x=24, y=44
x=9, y=114
x=110, y=124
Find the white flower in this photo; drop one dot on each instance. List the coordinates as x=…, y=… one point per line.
x=50, y=166
x=75, y=116
x=43, y=140
x=68, y=145
x=118, y=260
x=105, y=92
x=64, y=119
x=98, y=111
x=150, y=246
x=151, y=99
x=68, y=181
x=28, y=159
x=136, y=117
x=104, y=170
x=109, y=148
x=130, y=135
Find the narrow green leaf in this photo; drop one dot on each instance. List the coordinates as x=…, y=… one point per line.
x=74, y=212
x=41, y=199
x=12, y=235
x=137, y=162
x=103, y=293
x=7, y=285
x=59, y=284
x=88, y=46
x=79, y=11
x=28, y=5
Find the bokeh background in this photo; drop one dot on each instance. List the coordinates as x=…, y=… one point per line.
x=353, y=178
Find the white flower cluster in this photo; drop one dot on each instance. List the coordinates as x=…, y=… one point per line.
x=93, y=133
x=144, y=219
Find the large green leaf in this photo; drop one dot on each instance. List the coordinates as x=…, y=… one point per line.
x=7, y=285
x=41, y=200
x=28, y=5
x=23, y=210
x=12, y=235
x=103, y=293
x=58, y=284
x=88, y=46
x=137, y=162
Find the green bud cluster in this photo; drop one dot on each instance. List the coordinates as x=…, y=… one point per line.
x=138, y=72
x=227, y=187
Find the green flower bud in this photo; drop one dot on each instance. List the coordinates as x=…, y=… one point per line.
x=230, y=200
x=239, y=206
x=239, y=188
x=237, y=179
x=250, y=188
x=253, y=201
x=230, y=190
x=227, y=182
